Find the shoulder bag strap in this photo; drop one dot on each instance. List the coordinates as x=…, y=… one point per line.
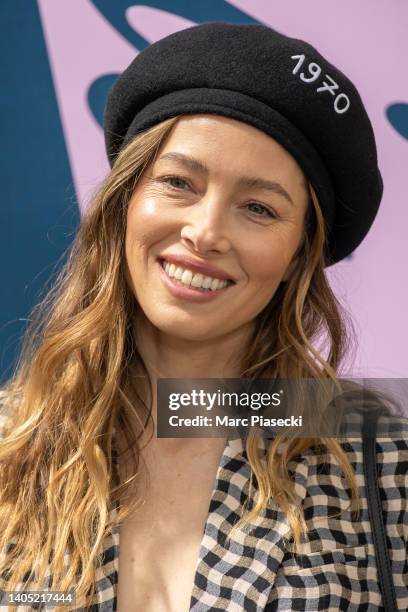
x=375, y=512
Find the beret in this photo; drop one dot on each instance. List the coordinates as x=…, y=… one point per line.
x=280, y=85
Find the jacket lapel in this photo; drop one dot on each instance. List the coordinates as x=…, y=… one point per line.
x=107, y=574
x=240, y=570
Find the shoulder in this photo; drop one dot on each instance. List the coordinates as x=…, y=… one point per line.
x=333, y=519
x=338, y=546
x=391, y=449
x=321, y=482
x=391, y=445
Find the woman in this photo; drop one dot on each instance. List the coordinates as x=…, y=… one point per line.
x=227, y=162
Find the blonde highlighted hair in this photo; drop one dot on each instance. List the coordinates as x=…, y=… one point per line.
x=75, y=384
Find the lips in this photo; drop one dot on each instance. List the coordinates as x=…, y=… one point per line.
x=191, y=294
x=196, y=266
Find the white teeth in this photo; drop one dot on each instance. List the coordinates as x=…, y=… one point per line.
x=206, y=282
x=186, y=277
x=178, y=273
x=195, y=280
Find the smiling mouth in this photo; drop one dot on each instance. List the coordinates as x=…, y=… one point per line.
x=211, y=284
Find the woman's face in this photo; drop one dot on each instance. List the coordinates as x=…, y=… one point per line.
x=224, y=194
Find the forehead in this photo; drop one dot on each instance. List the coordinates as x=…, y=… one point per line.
x=224, y=143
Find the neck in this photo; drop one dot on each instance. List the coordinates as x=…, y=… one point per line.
x=168, y=356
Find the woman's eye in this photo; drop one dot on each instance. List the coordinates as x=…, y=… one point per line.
x=263, y=209
x=174, y=182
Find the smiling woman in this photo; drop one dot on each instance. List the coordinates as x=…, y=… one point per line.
x=236, y=180
x=219, y=215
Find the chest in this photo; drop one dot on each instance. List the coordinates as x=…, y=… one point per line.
x=159, y=544
x=157, y=566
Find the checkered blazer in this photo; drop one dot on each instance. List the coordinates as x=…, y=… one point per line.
x=256, y=571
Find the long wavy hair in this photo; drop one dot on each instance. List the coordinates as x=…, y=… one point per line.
x=76, y=386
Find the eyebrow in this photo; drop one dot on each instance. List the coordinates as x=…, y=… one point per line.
x=243, y=181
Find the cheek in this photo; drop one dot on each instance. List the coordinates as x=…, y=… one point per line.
x=144, y=224
x=142, y=211
x=267, y=260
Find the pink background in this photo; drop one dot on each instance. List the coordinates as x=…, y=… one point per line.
x=366, y=39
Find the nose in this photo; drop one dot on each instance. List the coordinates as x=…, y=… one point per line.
x=206, y=226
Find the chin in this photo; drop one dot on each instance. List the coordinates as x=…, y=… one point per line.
x=184, y=331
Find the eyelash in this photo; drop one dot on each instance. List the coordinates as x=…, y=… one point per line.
x=165, y=180
x=172, y=178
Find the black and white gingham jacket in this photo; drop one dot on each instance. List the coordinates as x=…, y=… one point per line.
x=256, y=571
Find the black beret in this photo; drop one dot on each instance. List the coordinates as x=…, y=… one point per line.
x=282, y=86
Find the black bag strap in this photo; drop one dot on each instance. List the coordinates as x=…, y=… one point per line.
x=375, y=511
